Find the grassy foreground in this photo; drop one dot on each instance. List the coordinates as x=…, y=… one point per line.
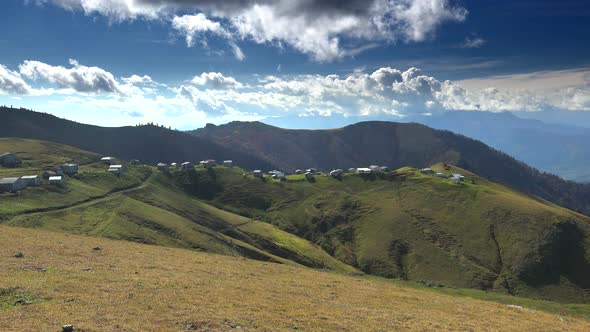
x=133, y=287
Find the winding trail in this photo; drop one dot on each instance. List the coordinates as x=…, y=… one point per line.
x=88, y=201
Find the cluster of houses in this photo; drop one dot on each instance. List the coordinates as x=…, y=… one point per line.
x=456, y=178
x=54, y=175
x=187, y=165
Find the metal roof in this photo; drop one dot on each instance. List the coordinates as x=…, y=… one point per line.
x=8, y=180
x=55, y=178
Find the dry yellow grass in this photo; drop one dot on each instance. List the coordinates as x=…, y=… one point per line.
x=133, y=287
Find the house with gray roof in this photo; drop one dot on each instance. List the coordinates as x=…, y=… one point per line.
x=12, y=185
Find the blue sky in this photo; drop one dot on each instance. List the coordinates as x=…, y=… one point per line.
x=184, y=63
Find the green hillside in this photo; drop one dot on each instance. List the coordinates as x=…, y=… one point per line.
x=408, y=225
x=400, y=224
x=143, y=205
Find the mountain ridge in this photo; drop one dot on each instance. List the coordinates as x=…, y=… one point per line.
x=394, y=145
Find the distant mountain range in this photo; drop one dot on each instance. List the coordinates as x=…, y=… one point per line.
x=151, y=144
x=554, y=145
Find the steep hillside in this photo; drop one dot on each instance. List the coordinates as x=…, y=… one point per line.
x=144, y=205
x=394, y=145
x=419, y=227
x=149, y=143
x=103, y=285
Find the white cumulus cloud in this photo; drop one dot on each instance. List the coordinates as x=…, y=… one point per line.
x=314, y=27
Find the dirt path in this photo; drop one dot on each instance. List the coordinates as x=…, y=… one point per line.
x=88, y=201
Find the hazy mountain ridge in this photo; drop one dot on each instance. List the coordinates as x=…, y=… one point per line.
x=149, y=143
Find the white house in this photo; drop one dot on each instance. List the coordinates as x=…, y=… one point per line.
x=12, y=185
x=440, y=175
x=456, y=178
x=309, y=176
x=336, y=173
x=55, y=180
x=311, y=170
x=70, y=168
x=427, y=171
x=228, y=163
x=108, y=160
x=374, y=168
x=364, y=170
x=277, y=175
x=163, y=167
x=32, y=180
x=299, y=171
x=258, y=173
x=208, y=163
x=116, y=169
x=187, y=165
x=384, y=169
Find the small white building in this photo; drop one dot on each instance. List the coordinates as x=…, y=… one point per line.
x=277, y=175
x=299, y=171
x=309, y=176
x=56, y=180
x=187, y=165
x=12, y=185
x=440, y=175
x=311, y=170
x=456, y=178
x=208, y=163
x=384, y=169
x=173, y=165
x=364, y=170
x=336, y=173
x=108, y=160
x=228, y=163
x=32, y=180
x=163, y=167
x=374, y=168
x=116, y=169
x=427, y=171
x=70, y=168
x=258, y=173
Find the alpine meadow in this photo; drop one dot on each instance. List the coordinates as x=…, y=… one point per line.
x=294, y=165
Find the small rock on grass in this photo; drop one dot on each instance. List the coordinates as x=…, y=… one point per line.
x=67, y=328
x=19, y=255
x=22, y=302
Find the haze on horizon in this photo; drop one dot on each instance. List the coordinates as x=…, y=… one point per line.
x=187, y=63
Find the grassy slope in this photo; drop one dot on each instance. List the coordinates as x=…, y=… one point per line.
x=114, y=289
x=481, y=235
x=151, y=210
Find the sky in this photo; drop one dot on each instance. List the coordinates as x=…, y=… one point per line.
x=185, y=63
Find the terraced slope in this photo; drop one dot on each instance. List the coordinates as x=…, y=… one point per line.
x=104, y=285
